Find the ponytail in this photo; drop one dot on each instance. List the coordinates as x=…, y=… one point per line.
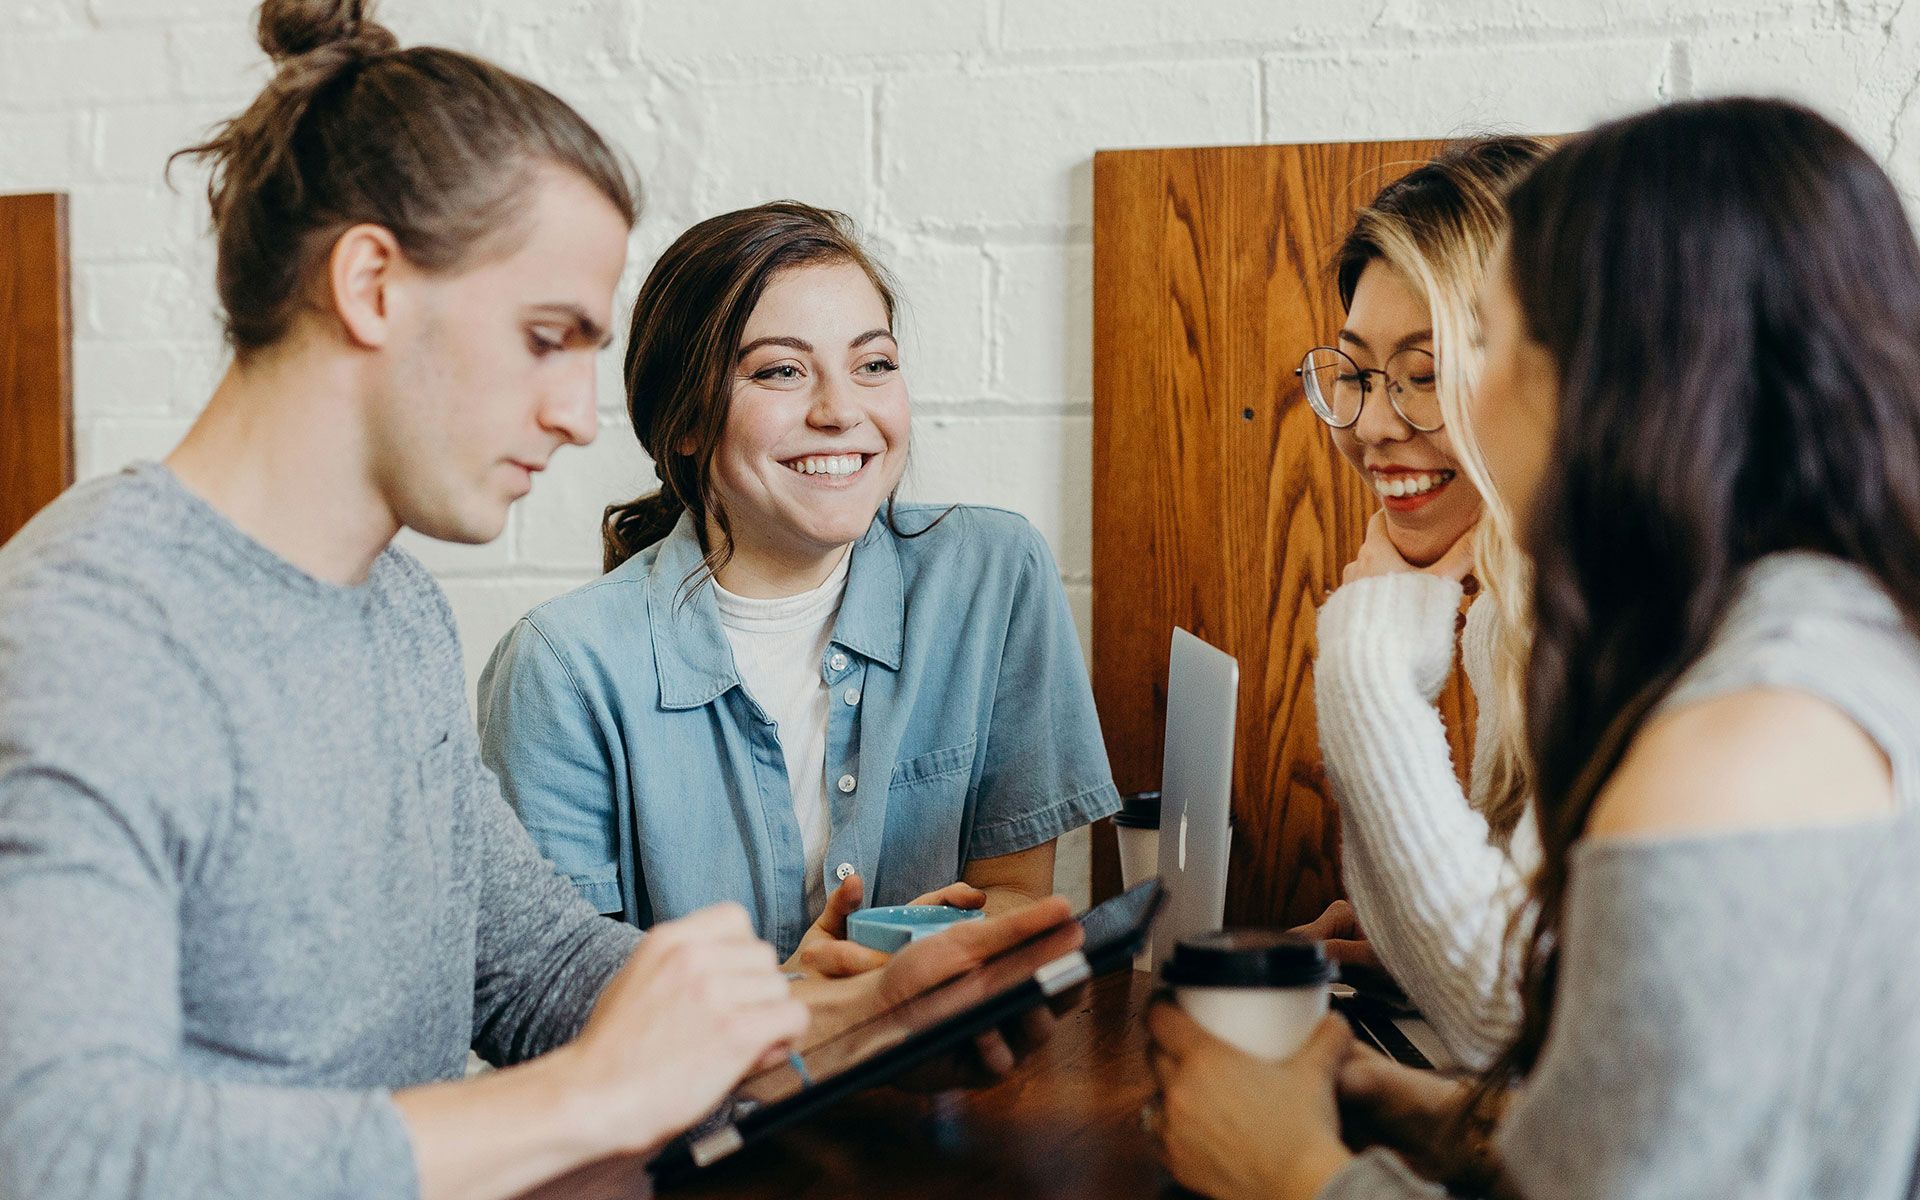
x=627, y=529
x=435, y=146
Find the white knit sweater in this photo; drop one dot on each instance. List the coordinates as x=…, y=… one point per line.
x=1431, y=890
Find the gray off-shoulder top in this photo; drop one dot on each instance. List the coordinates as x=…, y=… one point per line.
x=1739, y=1013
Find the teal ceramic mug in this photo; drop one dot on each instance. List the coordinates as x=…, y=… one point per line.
x=889, y=928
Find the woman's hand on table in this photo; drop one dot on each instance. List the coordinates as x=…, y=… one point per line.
x=825, y=949
x=924, y=964
x=1232, y=1125
x=1415, y=1114
x=1338, y=929
x=920, y=966
x=1379, y=556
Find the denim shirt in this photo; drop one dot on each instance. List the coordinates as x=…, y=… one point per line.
x=962, y=727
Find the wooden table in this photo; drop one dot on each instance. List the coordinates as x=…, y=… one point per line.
x=1065, y=1125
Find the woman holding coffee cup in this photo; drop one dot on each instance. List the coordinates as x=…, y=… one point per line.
x=1701, y=403
x=1433, y=872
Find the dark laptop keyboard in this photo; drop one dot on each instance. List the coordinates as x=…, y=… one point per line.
x=1372, y=1022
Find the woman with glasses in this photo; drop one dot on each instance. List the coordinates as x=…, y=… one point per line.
x=1701, y=402
x=1433, y=872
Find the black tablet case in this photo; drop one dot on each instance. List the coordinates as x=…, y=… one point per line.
x=1114, y=932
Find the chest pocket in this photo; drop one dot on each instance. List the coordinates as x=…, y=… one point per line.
x=334, y=903
x=927, y=816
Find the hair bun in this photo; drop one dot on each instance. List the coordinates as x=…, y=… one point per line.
x=290, y=28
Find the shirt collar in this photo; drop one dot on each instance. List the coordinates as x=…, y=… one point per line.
x=873, y=617
x=690, y=650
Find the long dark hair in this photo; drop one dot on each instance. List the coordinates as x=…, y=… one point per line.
x=686, y=332
x=1731, y=292
x=437, y=146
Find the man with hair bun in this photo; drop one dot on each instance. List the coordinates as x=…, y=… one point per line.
x=258, y=895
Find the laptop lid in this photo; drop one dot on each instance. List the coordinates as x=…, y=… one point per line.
x=1196, y=790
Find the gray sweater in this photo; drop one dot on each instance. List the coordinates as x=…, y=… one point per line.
x=252, y=873
x=1738, y=1014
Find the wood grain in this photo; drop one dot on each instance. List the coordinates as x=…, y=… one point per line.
x=1219, y=502
x=36, y=357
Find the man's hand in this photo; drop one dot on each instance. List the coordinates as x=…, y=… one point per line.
x=825, y=950
x=701, y=1002
x=697, y=1005
x=920, y=966
x=923, y=965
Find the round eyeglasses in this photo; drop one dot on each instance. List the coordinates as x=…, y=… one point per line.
x=1336, y=387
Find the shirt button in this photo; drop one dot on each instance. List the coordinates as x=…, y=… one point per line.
x=843, y=870
x=851, y=696
x=838, y=662
x=846, y=783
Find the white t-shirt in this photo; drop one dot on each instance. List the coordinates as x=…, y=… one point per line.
x=778, y=646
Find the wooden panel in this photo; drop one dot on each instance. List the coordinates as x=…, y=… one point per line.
x=36, y=357
x=1220, y=503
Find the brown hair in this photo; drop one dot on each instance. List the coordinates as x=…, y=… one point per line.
x=1730, y=291
x=687, y=325
x=436, y=146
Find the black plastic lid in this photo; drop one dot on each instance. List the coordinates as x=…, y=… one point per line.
x=1139, y=810
x=1249, y=958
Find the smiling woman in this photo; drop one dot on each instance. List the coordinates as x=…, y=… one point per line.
x=1433, y=870
x=1724, y=670
x=725, y=315
x=816, y=432
x=790, y=690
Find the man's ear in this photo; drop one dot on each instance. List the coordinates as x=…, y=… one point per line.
x=360, y=274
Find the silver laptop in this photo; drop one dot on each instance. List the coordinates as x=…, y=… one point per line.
x=1196, y=833
x=1196, y=790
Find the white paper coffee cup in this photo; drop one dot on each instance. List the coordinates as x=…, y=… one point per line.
x=1139, y=862
x=1137, y=825
x=1263, y=991
x=1139, y=854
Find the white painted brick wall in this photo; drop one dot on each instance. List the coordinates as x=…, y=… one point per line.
x=1441, y=91
x=1061, y=25
x=1011, y=148
x=959, y=134
x=78, y=67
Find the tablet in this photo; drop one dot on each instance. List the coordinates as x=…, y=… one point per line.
x=880, y=1048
